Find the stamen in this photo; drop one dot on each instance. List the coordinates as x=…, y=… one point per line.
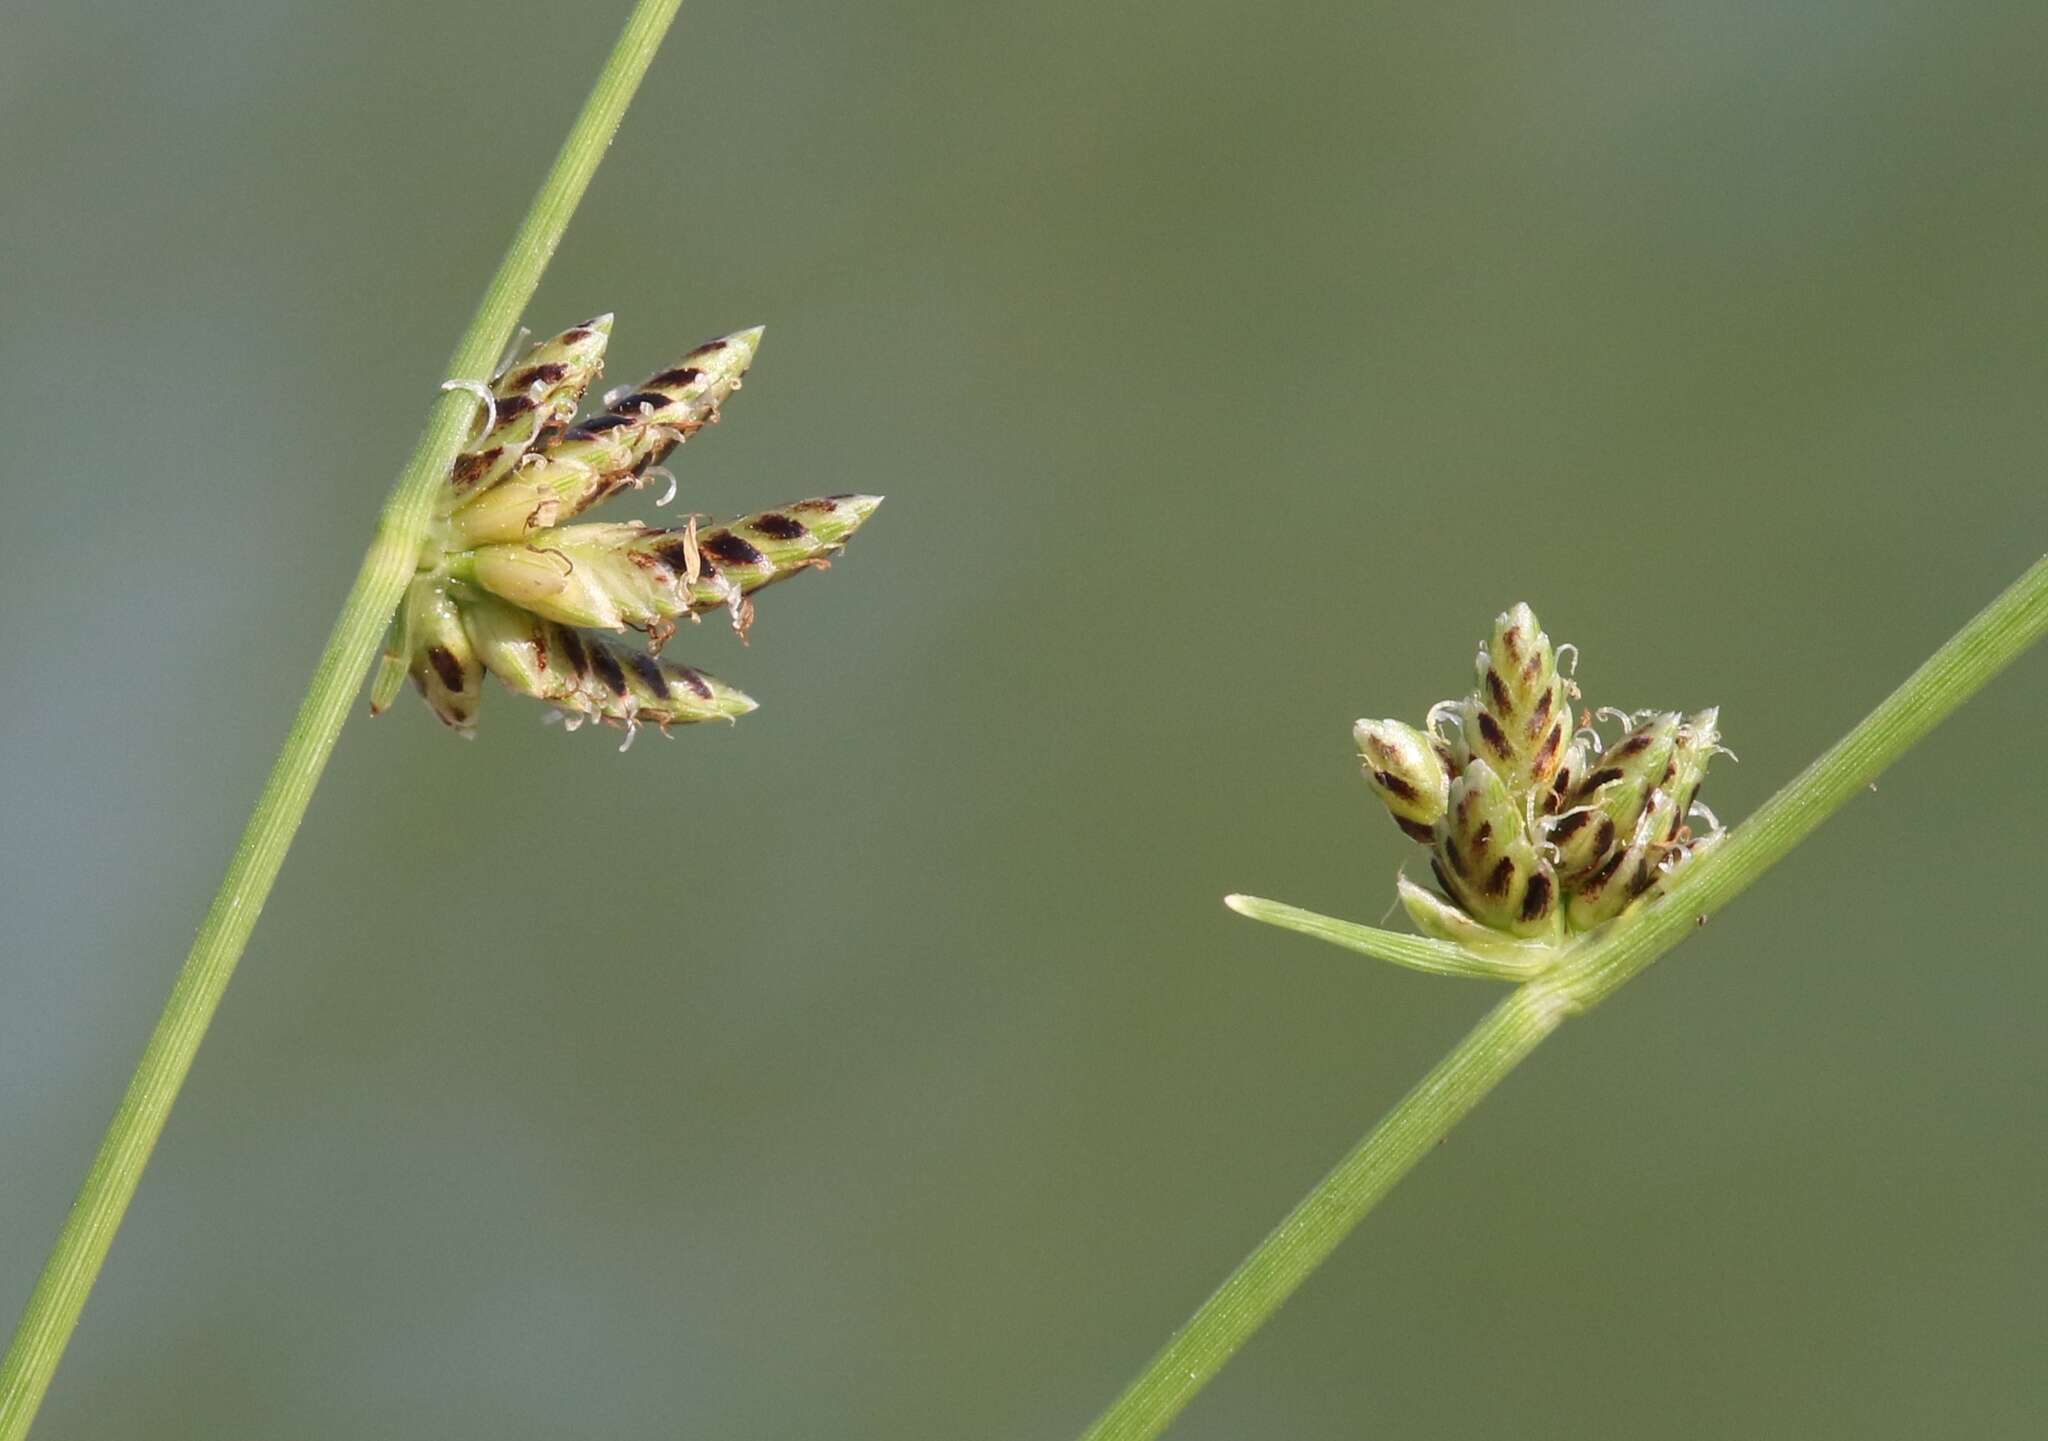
x=660, y=631
x=742, y=614
x=543, y=515
x=693, y=559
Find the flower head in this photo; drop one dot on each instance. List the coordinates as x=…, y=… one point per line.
x=513, y=590
x=1536, y=830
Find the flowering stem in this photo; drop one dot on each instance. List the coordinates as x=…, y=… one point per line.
x=1584, y=974
x=81, y=1248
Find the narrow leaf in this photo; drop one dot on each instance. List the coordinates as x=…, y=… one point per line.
x=1438, y=958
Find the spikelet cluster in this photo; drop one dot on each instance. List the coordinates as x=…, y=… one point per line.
x=1537, y=827
x=513, y=591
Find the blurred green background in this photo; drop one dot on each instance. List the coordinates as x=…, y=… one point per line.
x=886, y=1067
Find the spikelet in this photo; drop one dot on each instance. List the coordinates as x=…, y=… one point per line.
x=1520, y=715
x=444, y=663
x=510, y=590
x=1535, y=833
x=1401, y=763
x=532, y=401
x=583, y=676
x=1571, y=770
x=566, y=474
x=610, y=577
x=674, y=404
x=1601, y=813
x=1486, y=860
x=1630, y=871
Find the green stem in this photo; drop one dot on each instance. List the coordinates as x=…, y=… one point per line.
x=81, y=1248
x=1583, y=975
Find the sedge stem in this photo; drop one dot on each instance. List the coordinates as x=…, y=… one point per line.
x=1584, y=974
x=67, y=1278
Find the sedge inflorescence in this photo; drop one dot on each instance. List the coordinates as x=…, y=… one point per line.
x=506, y=588
x=1537, y=827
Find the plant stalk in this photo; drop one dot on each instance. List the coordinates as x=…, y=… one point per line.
x=1585, y=973
x=67, y=1278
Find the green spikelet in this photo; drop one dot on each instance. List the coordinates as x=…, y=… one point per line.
x=1699, y=738
x=610, y=577
x=510, y=589
x=1520, y=713
x=674, y=404
x=1600, y=815
x=428, y=645
x=1531, y=835
x=1485, y=859
x=566, y=474
x=1571, y=770
x=553, y=375
x=546, y=487
x=1630, y=871
x=1402, y=765
x=533, y=400
x=585, y=677
x=444, y=663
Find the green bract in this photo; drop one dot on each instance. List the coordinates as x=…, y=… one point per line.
x=506, y=586
x=1536, y=831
